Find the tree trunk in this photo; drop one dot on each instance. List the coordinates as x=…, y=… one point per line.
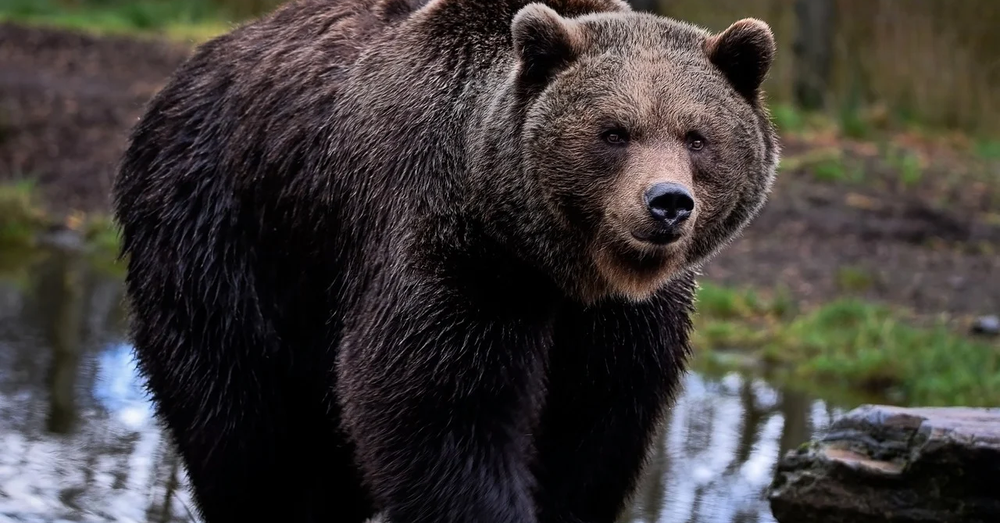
x=813, y=50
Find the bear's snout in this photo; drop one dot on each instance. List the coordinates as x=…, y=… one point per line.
x=669, y=205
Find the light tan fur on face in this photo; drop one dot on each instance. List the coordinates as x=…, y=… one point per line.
x=628, y=283
x=662, y=162
x=616, y=251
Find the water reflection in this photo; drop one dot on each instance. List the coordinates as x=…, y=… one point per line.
x=718, y=450
x=78, y=440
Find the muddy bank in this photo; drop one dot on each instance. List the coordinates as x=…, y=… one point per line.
x=67, y=102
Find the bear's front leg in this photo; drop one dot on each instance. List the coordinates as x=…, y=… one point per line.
x=439, y=393
x=613, y=369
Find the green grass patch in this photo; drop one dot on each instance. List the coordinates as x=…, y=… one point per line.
x=103, y=236
x=854, y=124
x=852, y=346
x=196, y=20
x=828, y=165
x=21, y=214
x=906, y=163
x=788, y=118
x=23, y=217
x=831, y=170
x=988, y=149
x=854, y=279
x=100, y=232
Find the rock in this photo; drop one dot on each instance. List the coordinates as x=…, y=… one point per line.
x=986, y=326
x=881, y=464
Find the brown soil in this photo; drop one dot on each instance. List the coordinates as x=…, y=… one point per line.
x=67, y=101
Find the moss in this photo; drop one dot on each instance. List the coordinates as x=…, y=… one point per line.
x=852, y=345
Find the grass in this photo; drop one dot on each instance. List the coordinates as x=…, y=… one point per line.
x=855, y=279
x=21, y=214
x=988, y=150
x=825, y=164
x=187, y=20
x=98, y=230
x=789, y=119
x=924, y=162
x=848, y=345
x=907, y=164
x=22, y=217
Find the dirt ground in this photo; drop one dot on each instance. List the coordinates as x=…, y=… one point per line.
x=68, y=100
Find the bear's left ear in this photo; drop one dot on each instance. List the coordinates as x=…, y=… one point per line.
x=544, y=42
x=744, y=53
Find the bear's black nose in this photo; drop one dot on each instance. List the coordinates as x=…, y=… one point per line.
x=669, y=203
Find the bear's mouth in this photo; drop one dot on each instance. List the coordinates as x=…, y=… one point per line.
x=642, y=248
x=644, y=237
x=658, y=237
x=637, y=256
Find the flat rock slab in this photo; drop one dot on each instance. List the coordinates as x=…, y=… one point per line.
x=881, y=464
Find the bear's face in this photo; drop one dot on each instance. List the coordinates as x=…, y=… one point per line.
x=647, y=136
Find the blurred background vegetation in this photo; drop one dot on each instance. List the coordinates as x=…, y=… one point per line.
x=876, y=62
x=870, y=64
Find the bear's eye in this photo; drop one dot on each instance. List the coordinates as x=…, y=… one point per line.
x=616, y=136
x=695, y=141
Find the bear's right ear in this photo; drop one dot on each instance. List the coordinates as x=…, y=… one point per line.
x=544, y=42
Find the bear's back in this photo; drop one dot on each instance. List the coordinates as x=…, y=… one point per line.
x=318, y=36
x=248, y=104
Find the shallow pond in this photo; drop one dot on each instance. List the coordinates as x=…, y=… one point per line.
x=78, y=442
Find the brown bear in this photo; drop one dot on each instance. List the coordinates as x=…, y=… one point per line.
x=434, y=258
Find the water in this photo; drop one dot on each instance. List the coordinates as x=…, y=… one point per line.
x=78, y=441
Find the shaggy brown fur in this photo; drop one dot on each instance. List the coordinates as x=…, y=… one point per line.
x=396, y=255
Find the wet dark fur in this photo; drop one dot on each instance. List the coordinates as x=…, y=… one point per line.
x=347, y=293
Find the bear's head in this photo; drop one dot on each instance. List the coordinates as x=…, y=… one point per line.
x=647, y=138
